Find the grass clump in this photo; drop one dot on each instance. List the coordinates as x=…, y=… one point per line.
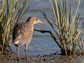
x=65, y=25
x=11, y=11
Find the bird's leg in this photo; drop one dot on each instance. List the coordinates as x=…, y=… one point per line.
x=26, y=51
x=17, y=52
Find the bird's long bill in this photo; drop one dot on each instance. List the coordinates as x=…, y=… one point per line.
x=41, y=22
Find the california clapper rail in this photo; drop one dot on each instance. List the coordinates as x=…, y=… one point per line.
x=22, y=33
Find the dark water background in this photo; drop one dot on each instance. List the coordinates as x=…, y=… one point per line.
x=41, y=43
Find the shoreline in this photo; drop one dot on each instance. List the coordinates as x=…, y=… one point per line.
x=11, y=58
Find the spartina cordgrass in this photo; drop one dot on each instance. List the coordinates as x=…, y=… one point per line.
x=11, y=11
x=66, y=27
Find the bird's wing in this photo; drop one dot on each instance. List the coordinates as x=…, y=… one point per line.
x=18, y=30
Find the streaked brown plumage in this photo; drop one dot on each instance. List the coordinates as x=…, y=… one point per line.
x=22, y=33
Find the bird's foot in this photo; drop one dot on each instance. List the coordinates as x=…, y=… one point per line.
x=26, y=58
x=18, y=59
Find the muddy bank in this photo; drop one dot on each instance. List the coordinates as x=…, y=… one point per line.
x=11, y=58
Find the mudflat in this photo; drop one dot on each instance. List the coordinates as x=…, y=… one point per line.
x=11, y=58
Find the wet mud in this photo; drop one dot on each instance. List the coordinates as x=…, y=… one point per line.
x=12, y=58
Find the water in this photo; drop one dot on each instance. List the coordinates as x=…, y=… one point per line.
x=40, y=45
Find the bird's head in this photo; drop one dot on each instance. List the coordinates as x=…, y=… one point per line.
x=34, y=20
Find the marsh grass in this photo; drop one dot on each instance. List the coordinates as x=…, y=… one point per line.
x=66, y=27
x=11, y=11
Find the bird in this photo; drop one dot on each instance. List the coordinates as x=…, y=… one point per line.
x=23, y=32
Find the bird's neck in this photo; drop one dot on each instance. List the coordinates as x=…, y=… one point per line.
x=30, y=25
